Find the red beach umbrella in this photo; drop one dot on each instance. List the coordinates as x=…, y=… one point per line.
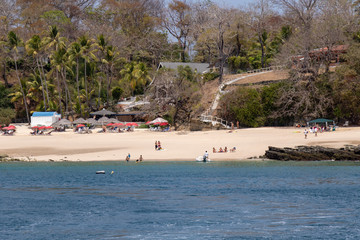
x=119, y=124
x=163, y=124
x=110, y=124
x=80, y=125
x=48, y=127
x=132, y=124
x=148, y=122
x=11, y=127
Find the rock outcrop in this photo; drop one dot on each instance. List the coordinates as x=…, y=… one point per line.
x=314, y=153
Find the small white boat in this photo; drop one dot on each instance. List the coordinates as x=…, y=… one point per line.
x=201, y=159
x=100, y=172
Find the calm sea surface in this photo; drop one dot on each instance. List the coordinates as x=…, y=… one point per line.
x=180, y=200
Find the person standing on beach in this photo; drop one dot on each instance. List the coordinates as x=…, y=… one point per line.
x=156, y=145
x=305, y=133
x=206, y=156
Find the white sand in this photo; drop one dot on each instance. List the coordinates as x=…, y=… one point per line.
x=182, y=146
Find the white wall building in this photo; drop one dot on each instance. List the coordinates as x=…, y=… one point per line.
x=44, y=118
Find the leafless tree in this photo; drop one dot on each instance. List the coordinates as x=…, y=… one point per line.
x=177, y=20
x=303, y=13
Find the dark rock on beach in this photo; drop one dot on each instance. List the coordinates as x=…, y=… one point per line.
x=313, y=153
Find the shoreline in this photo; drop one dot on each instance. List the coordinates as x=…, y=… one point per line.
x=250, y=144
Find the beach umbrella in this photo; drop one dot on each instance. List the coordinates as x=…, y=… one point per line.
x=11, y=127
x=119, y=124
x=79, y=121
x=35, y=127
x=114, y=120
x=148, y=123
x=48, y=127
x=80, y=125
x=158, y=120
x=110, y=124
x=103, y=112
x=132, y=124
x=104, y=120
x=62, y=122
x=164, y=124
x=91, y=121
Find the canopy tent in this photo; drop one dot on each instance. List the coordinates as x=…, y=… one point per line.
x=103, y=112
x=79, y=120
x=322, y=120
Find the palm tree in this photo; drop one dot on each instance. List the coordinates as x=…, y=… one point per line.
x=57, y=61
x=14, y=42
x=136, y=74
x=75, y=54
x=33, y=46
x=87, y=53
x=56, y=46
x=100, y=44
x=110, y=59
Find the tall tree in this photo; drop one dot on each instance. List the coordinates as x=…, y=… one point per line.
x=14, y=43
x=74, y=53
x=33, y=47
x=177, y=21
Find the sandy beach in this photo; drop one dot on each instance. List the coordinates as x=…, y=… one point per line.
x=177, y=146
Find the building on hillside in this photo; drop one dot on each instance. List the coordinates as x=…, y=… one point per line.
x=44, y=118
x=318, y=54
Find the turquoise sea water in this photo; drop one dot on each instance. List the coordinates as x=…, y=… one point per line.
x=180, y=200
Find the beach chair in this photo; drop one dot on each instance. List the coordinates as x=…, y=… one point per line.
x=346, y=124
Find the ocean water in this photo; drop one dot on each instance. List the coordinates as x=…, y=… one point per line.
x=180, y=200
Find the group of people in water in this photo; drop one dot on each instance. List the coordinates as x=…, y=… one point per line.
x=158, y=145
x=140, y=159
x=225, y=150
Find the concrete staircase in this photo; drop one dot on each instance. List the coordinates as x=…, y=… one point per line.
x=207, y=116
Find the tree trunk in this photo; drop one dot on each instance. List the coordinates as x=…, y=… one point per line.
x=42, y=83
x=22, y=92
x=262, y=51
x=100, y=82
x=59, y=91
x=107, y=88
x=86, y=88
x=45, y=82
x=7, y=85
x=77, y=80
x=221, y=57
